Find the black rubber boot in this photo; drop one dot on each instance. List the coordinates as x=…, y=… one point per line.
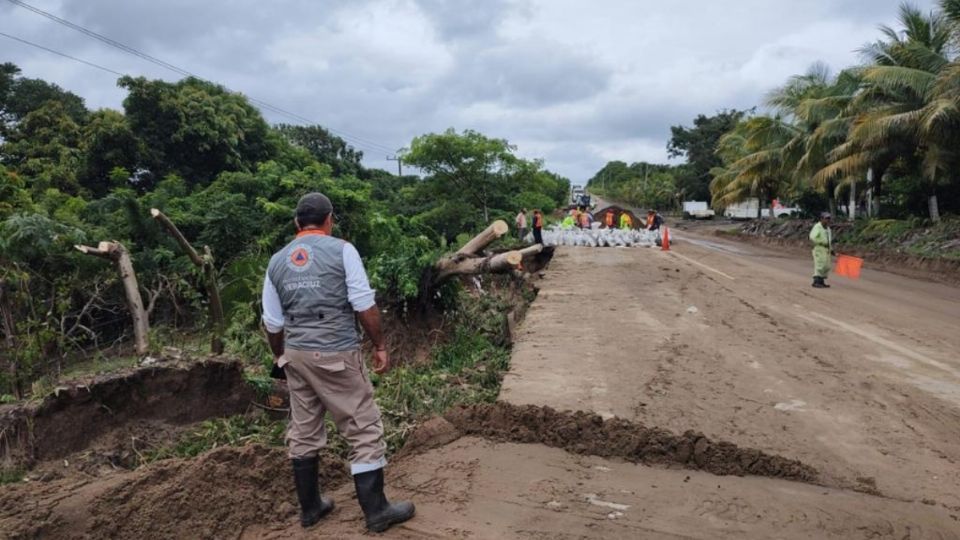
x=380, y=514
x=818, y=283
x=313, y=507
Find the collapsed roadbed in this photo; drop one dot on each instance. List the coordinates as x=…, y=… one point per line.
x=226, y=490
x=140, y=403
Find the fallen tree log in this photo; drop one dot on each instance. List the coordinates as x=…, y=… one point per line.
x=205, y=263
x=496, y=230
x=114, y=251
x=531, y=251
x=500, y=263
x=467, y=262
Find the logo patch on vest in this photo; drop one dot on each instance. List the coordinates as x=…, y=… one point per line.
x=300, y=258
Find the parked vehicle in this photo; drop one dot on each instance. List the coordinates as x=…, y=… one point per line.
x=748, y=210
x=697, y=210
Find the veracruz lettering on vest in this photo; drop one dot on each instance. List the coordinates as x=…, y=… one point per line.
x=311, y=281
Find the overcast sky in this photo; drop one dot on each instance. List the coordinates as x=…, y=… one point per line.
x=575, y=82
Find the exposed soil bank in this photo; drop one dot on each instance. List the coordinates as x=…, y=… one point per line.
x=223, y=492
x=74, y=418
x=215, y=495
x=588, y=433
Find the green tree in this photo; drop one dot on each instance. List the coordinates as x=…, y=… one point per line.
x=19, y=96
x=756, y=162
x=905, y=115
x=195, y=129
x=698, y=145
x=44, y=148
x=468, y=166
x=107, y=144
x=325, y=147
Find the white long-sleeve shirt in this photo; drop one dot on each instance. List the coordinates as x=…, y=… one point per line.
x=359, y=293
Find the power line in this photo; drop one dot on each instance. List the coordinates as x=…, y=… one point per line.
x=58, y=53
x=358, y=141
x=99, y=37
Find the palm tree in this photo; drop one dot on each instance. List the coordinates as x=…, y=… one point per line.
x=756, y=154
x=905, y=112
x=817, y=104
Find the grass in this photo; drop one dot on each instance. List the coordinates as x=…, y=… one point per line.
x=915, y=236
x=79, y=367
x=219, y=432
x=11, y=476
x=98, y=366
x=467, y=368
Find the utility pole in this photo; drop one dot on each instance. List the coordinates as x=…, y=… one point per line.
x=399, y=161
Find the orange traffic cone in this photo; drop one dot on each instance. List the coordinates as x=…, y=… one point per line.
x=666, y=239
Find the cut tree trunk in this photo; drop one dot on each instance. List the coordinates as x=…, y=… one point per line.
x=496, y=230
x=210, y=277
x=114, y=251
x=531, y=251
x=467, y=262
x=503, y=262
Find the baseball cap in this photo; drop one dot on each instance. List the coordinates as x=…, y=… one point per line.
x=825, y=215
x=314, y=204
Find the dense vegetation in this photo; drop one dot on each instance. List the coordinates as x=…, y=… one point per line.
x=665, y=187
x=229, y=180
x=888, y=129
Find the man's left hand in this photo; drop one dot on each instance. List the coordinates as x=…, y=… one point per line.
x=381, y=361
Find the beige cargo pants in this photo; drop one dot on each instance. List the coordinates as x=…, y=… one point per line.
x=335, y=382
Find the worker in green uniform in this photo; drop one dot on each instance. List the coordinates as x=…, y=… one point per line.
x=822, y=239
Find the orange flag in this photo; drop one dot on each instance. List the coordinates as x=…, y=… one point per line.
x=849, y=266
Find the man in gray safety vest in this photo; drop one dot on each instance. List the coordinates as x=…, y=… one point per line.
x=314, y=291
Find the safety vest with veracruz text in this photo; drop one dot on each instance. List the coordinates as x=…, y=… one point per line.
x=311, y=281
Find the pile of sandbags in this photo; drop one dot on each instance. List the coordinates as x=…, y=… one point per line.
x=597, y=237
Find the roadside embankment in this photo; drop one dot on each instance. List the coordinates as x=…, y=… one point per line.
x=911, y=248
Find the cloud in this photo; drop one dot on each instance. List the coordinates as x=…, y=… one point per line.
x=573, y=82
x=525, y=74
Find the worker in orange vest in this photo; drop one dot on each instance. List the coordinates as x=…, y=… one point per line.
x=537, y=227
x=654, y=220
x=585, y=219
x=608, y=219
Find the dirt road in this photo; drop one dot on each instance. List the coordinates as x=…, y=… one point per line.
x=860, y=382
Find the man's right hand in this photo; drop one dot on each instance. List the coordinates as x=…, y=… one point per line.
x=381, y=361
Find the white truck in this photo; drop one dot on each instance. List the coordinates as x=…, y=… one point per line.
x=748, y=210
x=576, y=192
x=697, y=210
